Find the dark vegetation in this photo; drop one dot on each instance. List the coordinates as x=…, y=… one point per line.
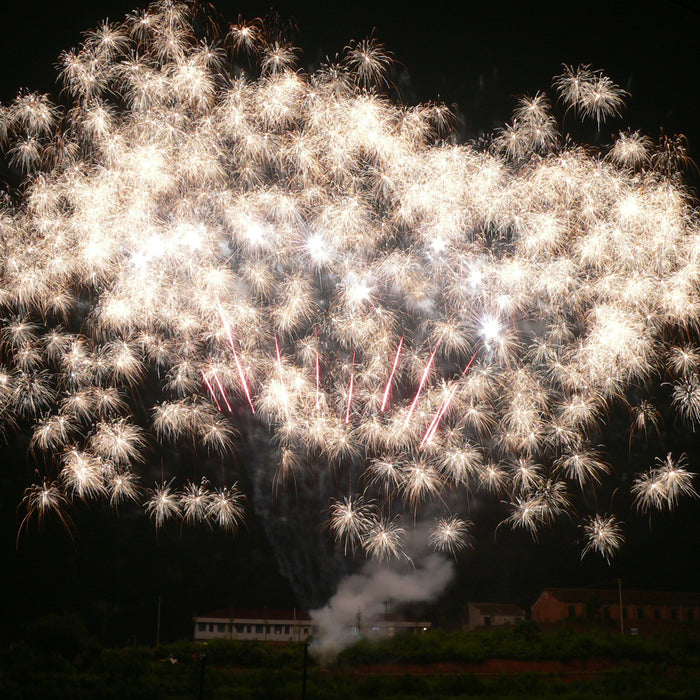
x=58, y=659
x=525, y=642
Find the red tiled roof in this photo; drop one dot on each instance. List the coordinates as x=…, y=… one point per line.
x=261, y=614
x=611, y=596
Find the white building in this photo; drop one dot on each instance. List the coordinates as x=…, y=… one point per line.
x=262, y=625
x=289, y=626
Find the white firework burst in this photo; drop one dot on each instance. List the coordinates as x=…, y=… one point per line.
x=300, y=254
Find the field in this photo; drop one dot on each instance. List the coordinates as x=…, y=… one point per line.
x=522, y=662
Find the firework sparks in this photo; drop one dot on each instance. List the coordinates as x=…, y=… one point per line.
x=450, y=535
x=661, y=486
x=235, y=241
x=162, y=504
x=603, y=535
x=351, y=520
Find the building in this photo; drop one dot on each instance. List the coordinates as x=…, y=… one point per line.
x=492, y=615
x=290, y=626
x=261, y=625
x=643, y=611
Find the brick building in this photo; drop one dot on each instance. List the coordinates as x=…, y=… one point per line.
x=644, y=611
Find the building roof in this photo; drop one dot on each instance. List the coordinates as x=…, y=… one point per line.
x=259, y=615
x=498, y=609
x=263, y=615
x=611, y=596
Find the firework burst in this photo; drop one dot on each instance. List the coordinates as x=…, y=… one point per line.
x=426, y=319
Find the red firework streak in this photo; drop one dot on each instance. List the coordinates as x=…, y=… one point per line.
x=350, y=389
x=318, y=373
x=241, y=373
x=223, y=391
x=211, y=389
x=220, y=386
x=423, y=379
x=435, y=423
x=387, y=389
x=279, y=354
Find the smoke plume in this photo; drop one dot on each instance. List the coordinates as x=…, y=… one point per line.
x=362, y=598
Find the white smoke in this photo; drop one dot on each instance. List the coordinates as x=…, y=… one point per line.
x=363, y=597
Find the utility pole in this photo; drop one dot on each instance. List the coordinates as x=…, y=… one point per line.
x=201, y=677
x=158, y=624
x=303, y=676
x=619, y=592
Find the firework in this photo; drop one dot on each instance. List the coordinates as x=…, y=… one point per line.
x=450, y=535
x=193, y=253
x=603, y=534
x=351, y=520
x=662, y=485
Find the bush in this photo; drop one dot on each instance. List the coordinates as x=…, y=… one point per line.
x=235, y=653
x=525, y=642
x=64, y=634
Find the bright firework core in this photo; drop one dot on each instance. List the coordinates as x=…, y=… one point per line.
x=425, y=319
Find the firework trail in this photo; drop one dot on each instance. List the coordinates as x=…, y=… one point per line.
x=297, y=251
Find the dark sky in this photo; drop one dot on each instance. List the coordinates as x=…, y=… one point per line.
x=478, y=55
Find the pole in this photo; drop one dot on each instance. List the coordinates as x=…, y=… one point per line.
x=303, y=675
x=619, y=591
x=158, y=624
x=201, y=677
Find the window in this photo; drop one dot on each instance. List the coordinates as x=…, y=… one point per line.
x=258, y=629
x=572, y=611
x=606, y=612
x=220, y=627
x=674, y=614
x=202, y=626
x=689, y=615
x=278, y=629
x=657, y=613
x=240, y=629
x=211, y=626
x=640, y=613
x=286, y=629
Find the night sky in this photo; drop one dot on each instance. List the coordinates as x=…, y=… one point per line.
x=479, y=57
